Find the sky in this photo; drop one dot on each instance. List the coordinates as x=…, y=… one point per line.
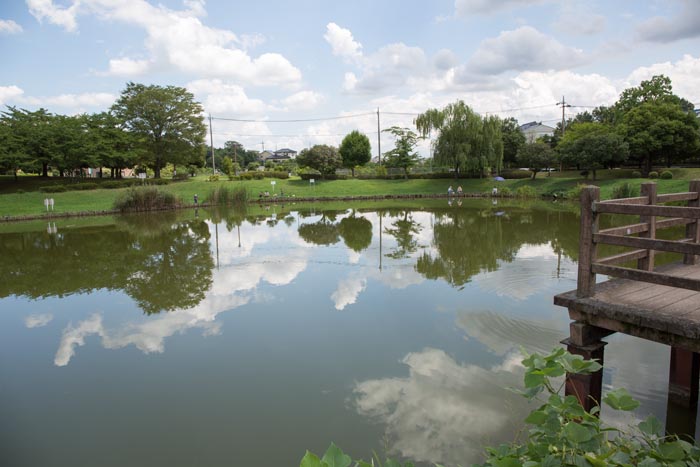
x=334, y=64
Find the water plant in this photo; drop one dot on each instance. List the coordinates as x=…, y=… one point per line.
x=145, y=199
x=624, y=190
x=223, y=195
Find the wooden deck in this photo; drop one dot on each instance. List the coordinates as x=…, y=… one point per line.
x=656, y=312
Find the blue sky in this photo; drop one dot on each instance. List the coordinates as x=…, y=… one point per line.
x=280, y=60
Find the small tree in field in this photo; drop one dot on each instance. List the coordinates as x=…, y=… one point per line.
x=355, y=150
x=404, y=154
x=227, y=166
x=535, y=156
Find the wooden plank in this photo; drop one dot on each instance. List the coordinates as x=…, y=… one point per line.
x=623, y=257
x=643, y=227
x=647, y=263
x=663, y=211
x=691, y=230
x=671, y=197
x=672, y=246
x=647, y=276
x=673, y=222
x=588, y=250
x=637, y=200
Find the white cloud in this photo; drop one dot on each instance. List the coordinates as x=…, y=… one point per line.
x=9, y=94
x=576, y=18
x=45, y=9
x=37, y=321
x=445, y=59
x=685, y=25
x=7, y=26
x=75, y=336
x=342, y=42
x=521, y=49
x=127, y=67
x=178, y=39
x=303, y=100
x=226, y=98
x=485, y=7
x=74, y=103
x=684, y=74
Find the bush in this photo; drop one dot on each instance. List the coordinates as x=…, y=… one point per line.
x=257, y=175
x=213, y=178
x=276, y=174
x=653, y=174
x=246, y=176
x=85, y=186
x=112, y=184
x=575, y=192
x=53, y=189
x=223, y=195
x=308, y=174
x=145, y=199
x=515, y=174
x=666, y=175
x=624, y=190
x=526, y=192
x=505, y=192
x=181, y=176
x=636, y=174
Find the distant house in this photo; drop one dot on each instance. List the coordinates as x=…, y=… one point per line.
x=265, y=155
x=534, y=130
x=286, y=153
x=277, y=156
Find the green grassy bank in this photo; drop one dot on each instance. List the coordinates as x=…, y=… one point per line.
x=23, y=198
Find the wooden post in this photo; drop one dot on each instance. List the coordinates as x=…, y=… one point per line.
x=648, y=190
x=585, y=340
x=587, y=252
x=681, y=409
x=692, y=231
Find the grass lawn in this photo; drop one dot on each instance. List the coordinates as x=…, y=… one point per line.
x=22, y=198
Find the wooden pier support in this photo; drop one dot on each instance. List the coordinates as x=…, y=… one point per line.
x=683, y=378
x=585, y=340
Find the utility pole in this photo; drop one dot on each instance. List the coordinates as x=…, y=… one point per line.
x=211, y=141
x=379, y=140
x=564, y=105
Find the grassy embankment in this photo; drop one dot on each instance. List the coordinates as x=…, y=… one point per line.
x=23, y=198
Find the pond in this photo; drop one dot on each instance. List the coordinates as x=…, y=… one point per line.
x=245, y=338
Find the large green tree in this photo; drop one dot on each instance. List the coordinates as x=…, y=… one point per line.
x=592, y=146
x=513, y=139
x=114, y=147
x=320, y=157
x=404, y=155
x=32, y=136
x=167, y=120
x=355, y=150
x=465, y=140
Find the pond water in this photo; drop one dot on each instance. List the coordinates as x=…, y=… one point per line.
x=245, y=338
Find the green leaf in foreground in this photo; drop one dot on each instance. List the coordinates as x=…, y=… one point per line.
x=334, y=457
x=311, y=460
x=620, y=399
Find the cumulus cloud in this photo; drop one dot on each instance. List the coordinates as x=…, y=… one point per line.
x=684, y=74
x=522, y=49
x=73, y=103
x=303, y=100
x=7, y=26
x=179, y=40
x=342, y=42
x=74, y=336
x=60, y=16
x=445, y=59
x=9, y=94
x=348, y=290
x=577, y=18
x=37, y=321
x=684, y=25
x=226, y=98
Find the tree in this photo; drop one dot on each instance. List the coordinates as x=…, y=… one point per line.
x=227, y=166
x=12, y=157
x=355, y=150
x=660, y=133
x=535, y=156
x=593, y=146
x=513, y=139
x=356, y=232
x=320, y=157
x=113, y=146
x=656, y=90
x=167, y=120
x=32, y=136
x=404, y=155
x=465, y=140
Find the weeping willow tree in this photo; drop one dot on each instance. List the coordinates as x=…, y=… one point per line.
x=466, y=141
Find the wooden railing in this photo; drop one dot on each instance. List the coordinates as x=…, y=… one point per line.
x=648, y=207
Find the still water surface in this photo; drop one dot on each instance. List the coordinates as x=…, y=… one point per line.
x=229, y=339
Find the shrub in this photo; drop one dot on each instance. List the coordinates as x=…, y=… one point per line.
x=112, y=184
x=258, y=175
x=515, y=174
x=246, y=176
x=213, y=178
x=308, y=174
x=526, y=192
x=666, y=175
x=145, y=199
x=624, y=190
x=276, y=174
x=505, y=192
x=636, y=174
x=181, y=176
x=53, y=189
x=223, y=195
x=653, y=174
